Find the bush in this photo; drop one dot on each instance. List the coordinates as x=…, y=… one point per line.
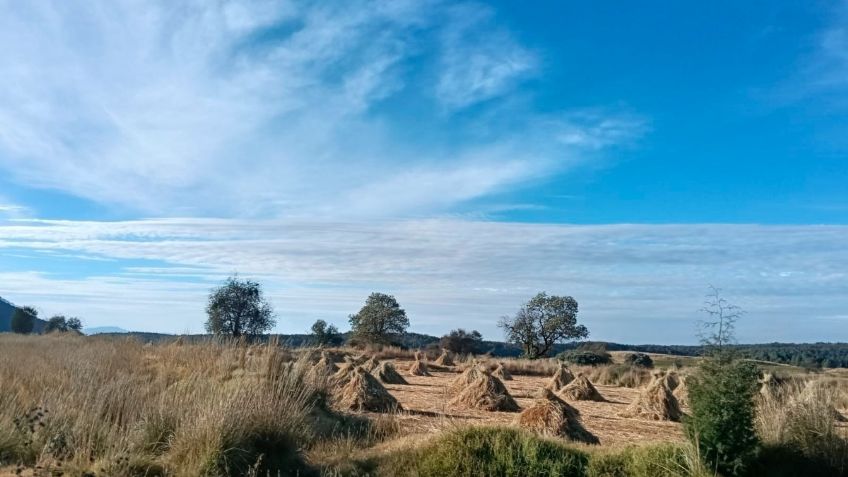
x=488, y=451
x=585, y=357
x=639, y=359
x=721, y=424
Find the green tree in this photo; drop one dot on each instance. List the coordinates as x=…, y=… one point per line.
x=380, y=320
x=462, y=342
x=542, y=322
x=325, y=334
x=23, y=320
x=74, y=324
x=721, y=395
x=56, y=323
x=238, y=308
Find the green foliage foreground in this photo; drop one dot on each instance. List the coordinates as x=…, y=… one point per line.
x=511, y=452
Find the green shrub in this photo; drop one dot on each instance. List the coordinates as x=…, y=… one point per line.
x=488, y=451
x=721, y=424
x=586, y=357
x=639, y=359
x=661, y=460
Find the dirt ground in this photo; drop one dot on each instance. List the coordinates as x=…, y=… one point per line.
x=425, y=402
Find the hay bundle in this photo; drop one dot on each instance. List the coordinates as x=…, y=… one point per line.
x=561, y=378
x=672, y=380
x=344, y=372
x=486, y=393
x=444, y=359
x=655, y=402
x=465, y=378
x=371, y=364
x=681, y=393
x=581, y=389
x=419, y=368
x=364, y=393
x=551, y=416
x=326, y=363
x=501, y=373
x=387, y=374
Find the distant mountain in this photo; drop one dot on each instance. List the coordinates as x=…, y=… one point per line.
x=7, y=309
x=96, y=330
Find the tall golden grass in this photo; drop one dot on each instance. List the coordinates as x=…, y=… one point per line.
x=118, y=407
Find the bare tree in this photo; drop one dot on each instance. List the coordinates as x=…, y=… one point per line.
x=716, y=331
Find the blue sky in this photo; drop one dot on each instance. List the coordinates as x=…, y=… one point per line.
x=461, y=155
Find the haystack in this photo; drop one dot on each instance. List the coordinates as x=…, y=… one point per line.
x=344, y=372
x=581, y=389
x=501, y=373
x=419, y=368
x=551, y=416
x=371, y=364
x=672, y=380
x=486, y=393
x=560, y=379
x=444, y=359
x=655, y=402
x=364, y=393
x=326, y=363
x=387, y=374
x=681, y=393
x=466, y=378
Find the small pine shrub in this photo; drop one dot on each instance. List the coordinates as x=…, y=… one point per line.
x=721, y=424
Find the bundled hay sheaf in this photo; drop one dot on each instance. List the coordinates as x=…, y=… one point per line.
x=444, y=359
x=364, y=393
x=344, y=372
x=655, y=402
x=466, y=378
x=581, y=389
x=681, y=392
x=371, y=364
x=501, y=373
x=387, y=374
x=418, y=368
x=486, y=393
x=551, y=416
x=561, y=378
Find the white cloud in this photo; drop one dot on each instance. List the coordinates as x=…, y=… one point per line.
x=265, y=107
x=636, y=283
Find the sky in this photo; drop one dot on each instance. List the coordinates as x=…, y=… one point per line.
x=462, y=156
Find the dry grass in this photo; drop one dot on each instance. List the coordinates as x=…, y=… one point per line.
x=803, y=418
x=118, y=407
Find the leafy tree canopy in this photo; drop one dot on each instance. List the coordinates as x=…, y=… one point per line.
x=239, y=308
x=542, y=322
x=380, y=320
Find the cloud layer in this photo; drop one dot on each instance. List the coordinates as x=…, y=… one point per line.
x=277, y=108
x=630, y=280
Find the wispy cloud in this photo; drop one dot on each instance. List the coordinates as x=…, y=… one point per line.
x=629, y=279
x=270, y=107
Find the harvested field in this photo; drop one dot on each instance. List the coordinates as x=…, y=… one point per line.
x=427, y=409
